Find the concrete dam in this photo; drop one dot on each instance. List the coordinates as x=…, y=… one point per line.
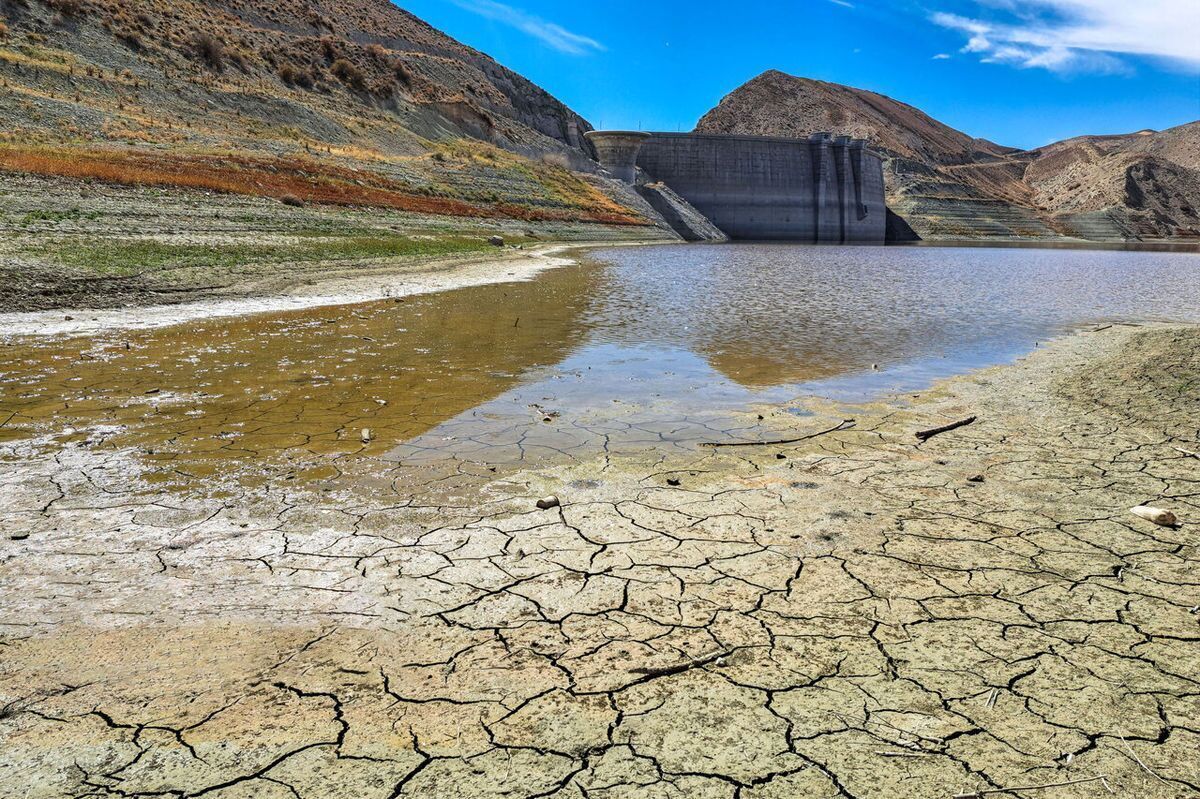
x=822, y=190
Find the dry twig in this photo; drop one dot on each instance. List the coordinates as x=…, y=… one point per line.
x=845, y=424
x=925, y=435
x=989, y=792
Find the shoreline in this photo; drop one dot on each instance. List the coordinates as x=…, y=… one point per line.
x=389, y=282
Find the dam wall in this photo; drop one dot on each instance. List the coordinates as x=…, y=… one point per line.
x=822, y=190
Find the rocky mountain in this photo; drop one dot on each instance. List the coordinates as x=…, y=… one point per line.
x=361, y=83
x=945, y=184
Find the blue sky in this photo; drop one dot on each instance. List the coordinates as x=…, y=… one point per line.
x=1019, y=72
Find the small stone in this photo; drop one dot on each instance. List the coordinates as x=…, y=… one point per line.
x=366, y=435
x=496, y=241
x=69, y=318
x=672, y=481
x=18, y=537
x=69, y=431
x=1163, y=518
x=976, y=479
x=548, y=502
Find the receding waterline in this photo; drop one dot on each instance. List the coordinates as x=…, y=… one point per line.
x=656, y=347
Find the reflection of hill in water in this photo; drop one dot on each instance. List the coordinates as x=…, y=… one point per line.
x=238, y=392
x=766, y=316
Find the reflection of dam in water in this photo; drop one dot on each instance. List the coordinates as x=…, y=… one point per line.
x=820, y=190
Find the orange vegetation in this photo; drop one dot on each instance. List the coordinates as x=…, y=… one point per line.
x=307, y=179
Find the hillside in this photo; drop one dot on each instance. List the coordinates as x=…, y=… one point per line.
x=162, y=151
x=289, y=97
x=946, y=184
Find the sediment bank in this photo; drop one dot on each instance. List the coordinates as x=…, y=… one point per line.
x=350, y=286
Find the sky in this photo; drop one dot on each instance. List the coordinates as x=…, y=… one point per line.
x=1022, y=73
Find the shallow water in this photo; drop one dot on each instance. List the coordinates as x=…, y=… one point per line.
x=648, y=347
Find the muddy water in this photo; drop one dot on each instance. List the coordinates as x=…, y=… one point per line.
x=658, y=347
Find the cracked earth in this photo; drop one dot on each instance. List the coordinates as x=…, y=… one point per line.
x=851, y=615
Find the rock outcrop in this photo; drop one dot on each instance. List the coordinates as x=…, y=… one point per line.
x=946, y=185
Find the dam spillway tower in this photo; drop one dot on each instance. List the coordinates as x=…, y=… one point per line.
x=821, y=190
x=618, y=151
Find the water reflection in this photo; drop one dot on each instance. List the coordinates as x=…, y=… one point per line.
x=269, y=395
x=647, y=347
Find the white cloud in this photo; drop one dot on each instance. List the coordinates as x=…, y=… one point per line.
x=941, y=57
x=550, y=33
x=1081, y=35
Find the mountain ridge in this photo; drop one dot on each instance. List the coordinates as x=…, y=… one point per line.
x=947, y=184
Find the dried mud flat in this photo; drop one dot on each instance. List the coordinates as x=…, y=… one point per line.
x=854, y=614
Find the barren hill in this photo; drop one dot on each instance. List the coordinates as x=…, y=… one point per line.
x=250, y=92
x=946, y=184
x=777, y=104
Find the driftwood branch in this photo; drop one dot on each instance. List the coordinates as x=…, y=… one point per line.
x=845, y=424
x=925, y=435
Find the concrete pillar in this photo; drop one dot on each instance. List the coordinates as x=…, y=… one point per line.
x=825, y=212
x=845, y=186
x=618, y=151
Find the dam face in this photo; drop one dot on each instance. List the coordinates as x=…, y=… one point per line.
x=822, y=190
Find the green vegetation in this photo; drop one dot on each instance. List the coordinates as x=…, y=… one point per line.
x=125, y=258
x=71, y=215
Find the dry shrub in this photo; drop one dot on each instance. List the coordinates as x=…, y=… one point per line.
x=329, y=48
x=130, y=39
x=292, y=76
x=560, y=160
x=3, y=30
x=377, y=52
x=402, y=72
x=292, y=201
x=238, y=58
x=210, y=50
x=349, y=74
x=68, y=8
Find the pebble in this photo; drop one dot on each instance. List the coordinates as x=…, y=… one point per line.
x=366, y=435
x=496, y=241
x=548, y=502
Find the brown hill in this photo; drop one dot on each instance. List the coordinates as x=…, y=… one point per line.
x=337, y=84
x=946, y=184
x=777, y=104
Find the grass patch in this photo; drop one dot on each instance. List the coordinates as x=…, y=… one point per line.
x=71, y=215
x=124, y=258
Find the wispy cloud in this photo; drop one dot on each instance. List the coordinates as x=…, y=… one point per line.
x=1079, y=35
x=842, y=3
x=548, y=32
